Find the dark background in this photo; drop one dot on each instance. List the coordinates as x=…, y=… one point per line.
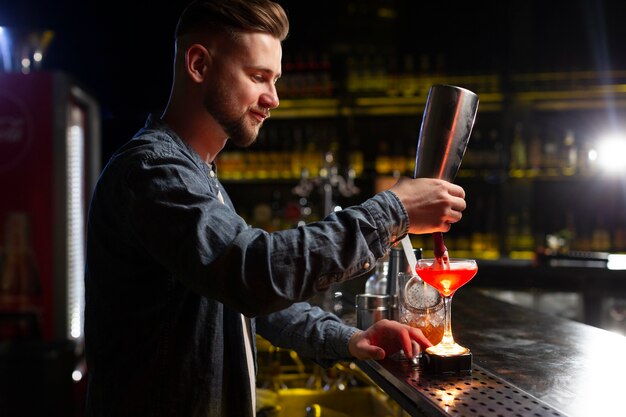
x=121, y=51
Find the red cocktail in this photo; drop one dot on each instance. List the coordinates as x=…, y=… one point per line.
x=447, y=278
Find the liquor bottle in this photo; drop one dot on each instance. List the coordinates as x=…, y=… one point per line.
x=377, y=282
x=569, y=157
x=312, y=155
x=551, y=161
x=394, y=77
x=618, y=228
x=518, y=161
x=408, y=81
x=425, y=73
x=383, y=159
x=379, y=76
x=478, y=242
x=352, y=75
x=298, y=154
x=512, y=232
x=493, y=157
x=525, y=239
x=535, y=157
x=600, y=238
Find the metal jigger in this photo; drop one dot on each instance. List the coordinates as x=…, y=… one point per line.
x=446, y=128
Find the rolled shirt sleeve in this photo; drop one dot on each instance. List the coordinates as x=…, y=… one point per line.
x=310, y=331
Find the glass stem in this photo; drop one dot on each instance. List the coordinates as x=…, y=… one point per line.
x=447, y=330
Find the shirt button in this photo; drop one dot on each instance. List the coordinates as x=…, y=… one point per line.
x=211, y=173
x=366, y=265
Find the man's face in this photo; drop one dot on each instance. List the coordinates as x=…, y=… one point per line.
x=240, y=90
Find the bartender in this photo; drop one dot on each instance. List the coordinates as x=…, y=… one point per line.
x=177, y=283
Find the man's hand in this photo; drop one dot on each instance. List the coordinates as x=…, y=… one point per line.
x=386, y=337
x=432, y=204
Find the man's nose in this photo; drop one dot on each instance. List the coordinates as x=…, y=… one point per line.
x=269, y=98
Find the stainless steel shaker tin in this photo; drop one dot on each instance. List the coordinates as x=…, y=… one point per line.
x=371, y=308
x=446, y=127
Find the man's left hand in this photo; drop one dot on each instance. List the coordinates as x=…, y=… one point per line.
x=386, y=337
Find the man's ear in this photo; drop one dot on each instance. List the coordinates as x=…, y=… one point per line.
x=197, y=62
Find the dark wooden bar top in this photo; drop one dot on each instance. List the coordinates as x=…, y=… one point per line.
x=526, y=364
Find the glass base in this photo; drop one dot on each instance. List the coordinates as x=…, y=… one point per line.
x=444, y=349
x=435, y=364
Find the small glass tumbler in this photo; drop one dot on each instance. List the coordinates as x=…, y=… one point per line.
x=420, y=306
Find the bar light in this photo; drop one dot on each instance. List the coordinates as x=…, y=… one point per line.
x=610, y=153
x=75, y=230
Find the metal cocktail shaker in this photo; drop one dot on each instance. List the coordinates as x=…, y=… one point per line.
x=371, y=308
x=446, y=127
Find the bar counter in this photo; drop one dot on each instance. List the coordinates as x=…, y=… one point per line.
x=525, y=363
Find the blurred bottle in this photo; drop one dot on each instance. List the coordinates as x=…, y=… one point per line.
x=569, y=157
x=587, y=158
x=512, y=232
x=408, y=81
x=379, y=76
x=478, y=241
x=551, y=160
x=493, y=153
x=397, y=159
x=534, y=152
x=518, y=161
x=383, y=162
x=425, y=74
x=601, y=238
x=352, y=74
x=298, y=154
x=377, y=282
x=619, y=239
x=394, y=77
x=525, y=239
x=312, y=156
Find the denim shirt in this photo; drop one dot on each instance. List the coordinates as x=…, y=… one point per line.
x=170, y=269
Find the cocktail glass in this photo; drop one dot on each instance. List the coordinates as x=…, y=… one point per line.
x=447, y=278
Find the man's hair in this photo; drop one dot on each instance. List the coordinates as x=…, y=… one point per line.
x=232, y=17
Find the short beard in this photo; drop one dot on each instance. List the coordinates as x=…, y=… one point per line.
x=215, y=103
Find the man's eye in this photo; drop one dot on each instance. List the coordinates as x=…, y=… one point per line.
x=258, y=78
